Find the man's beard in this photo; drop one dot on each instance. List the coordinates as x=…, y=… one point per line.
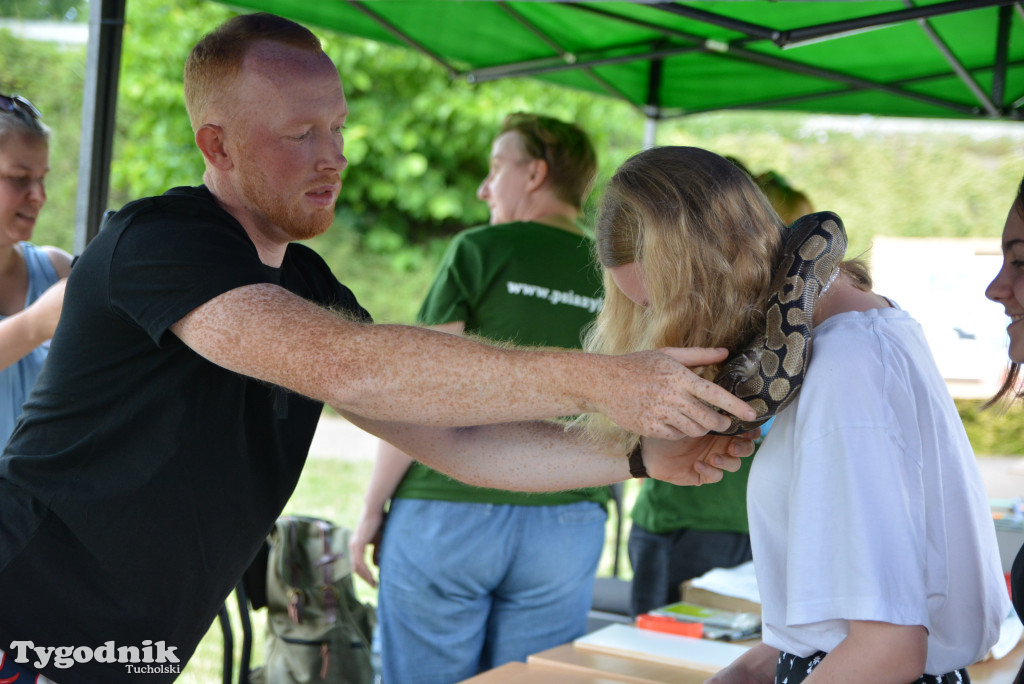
x=288, y=217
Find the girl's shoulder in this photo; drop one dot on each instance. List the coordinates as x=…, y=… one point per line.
x=60, y=259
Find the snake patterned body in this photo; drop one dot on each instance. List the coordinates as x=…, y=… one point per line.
x=768, y=373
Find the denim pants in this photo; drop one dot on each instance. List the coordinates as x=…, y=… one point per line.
x=465, y=587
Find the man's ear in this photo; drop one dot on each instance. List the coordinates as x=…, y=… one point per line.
x=538, y=174
x=210, y=140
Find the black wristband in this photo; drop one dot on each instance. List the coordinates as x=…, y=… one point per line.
x=636, y=462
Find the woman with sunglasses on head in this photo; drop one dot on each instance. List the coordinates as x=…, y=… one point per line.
x=872, y=538
x=26, y=271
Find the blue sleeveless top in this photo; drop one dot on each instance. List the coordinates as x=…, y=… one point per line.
x=17, y=379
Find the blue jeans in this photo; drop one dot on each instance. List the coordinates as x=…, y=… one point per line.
x=465, y=587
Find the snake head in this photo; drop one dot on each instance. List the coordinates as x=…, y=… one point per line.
x=740, y=368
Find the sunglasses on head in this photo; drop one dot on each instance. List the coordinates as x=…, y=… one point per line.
x=17, y=103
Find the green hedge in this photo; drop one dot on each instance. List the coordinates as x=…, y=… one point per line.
x=995, y=431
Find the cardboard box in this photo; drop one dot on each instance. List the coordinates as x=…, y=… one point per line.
x=703, y=597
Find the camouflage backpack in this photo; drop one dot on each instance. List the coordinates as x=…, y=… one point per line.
x=317, y=630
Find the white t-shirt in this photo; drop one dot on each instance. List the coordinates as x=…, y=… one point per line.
x=865, y=501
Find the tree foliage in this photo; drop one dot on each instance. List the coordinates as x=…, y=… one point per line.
x=51, y=77
x=154, y=147
x=944, y=182
x=53, y=10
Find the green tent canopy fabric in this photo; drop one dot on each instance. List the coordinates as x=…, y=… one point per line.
x=922, y=58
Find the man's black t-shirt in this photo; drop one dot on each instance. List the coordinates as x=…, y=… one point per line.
x=142, y=478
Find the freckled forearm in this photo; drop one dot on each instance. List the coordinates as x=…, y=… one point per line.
x=416, y=375
x=420, y=376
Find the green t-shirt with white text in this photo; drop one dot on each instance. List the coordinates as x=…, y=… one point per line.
x=524, y=283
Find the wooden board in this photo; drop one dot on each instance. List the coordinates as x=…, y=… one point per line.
x=632, y=669
x=522, y=673
x=568, y=664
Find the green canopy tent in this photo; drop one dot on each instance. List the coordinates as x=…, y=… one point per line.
x=922, y=58
x=932, y=58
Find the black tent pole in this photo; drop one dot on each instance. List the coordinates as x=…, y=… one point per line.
x=99, y=103
x=652, y=108
x=1002, y=52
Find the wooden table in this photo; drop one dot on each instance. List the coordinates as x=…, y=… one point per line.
x=567, y=664
x=1000, y=671
x=568, y=658
x=529, y=673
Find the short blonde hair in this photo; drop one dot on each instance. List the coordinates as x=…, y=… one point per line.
x=705, y=239
x=217, y=58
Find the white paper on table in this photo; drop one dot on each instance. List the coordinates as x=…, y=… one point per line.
x=702, y=655
x=738, y=582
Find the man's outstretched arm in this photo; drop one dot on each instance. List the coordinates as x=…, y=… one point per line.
x=413, y=375
x=544, y=456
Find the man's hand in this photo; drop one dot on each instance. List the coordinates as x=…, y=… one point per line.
x=655, y=394
x=696, y=460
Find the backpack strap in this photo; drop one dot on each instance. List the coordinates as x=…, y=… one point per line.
x=295, y=602
x=330, y=592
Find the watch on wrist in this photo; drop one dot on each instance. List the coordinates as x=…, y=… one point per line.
x=636, y=462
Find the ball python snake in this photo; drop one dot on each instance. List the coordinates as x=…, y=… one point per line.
x=768, y=372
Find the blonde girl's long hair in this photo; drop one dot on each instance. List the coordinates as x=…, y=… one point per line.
x=705, y=240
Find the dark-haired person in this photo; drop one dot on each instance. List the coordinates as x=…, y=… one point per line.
x=1007, y=288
